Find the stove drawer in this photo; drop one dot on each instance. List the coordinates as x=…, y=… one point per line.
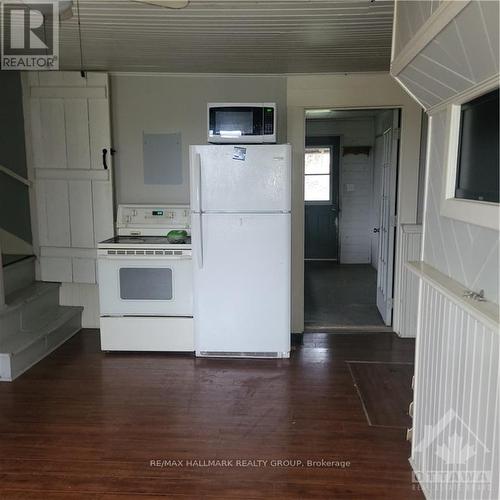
x=147, y=334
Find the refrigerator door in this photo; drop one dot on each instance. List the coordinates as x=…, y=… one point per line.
x=243, y=178
x=242, y=285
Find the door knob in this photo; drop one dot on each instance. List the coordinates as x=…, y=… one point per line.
x=376, y=230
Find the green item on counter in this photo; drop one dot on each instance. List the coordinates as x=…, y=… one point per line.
x=176, y=235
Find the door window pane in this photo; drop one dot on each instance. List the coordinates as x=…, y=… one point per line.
x=317, y=181
x=317, y=188
x=317, y=161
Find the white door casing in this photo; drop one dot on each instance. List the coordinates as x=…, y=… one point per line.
x=71, y=159
x=386, y=242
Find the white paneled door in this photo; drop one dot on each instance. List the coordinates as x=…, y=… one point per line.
x=71, y=159
x=385, y=268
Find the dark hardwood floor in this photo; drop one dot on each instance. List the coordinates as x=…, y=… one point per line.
x=83, y=424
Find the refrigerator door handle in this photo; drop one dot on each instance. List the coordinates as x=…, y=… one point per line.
x=199, y=240
x=198, y=183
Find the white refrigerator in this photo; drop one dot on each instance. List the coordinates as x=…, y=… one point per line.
x=240, y=229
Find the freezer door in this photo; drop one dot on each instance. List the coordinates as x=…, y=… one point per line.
x=243, y=178
x=242, y=284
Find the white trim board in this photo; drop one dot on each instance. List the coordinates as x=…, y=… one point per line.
x=239, y=75
x=467, y=95
x=486, y=312
x=410, y=93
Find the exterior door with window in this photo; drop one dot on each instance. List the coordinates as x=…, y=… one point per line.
x=321, y=185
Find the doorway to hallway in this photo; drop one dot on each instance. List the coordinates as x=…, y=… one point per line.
x=351, y=159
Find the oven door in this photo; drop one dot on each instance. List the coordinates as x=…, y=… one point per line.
x=151, y=286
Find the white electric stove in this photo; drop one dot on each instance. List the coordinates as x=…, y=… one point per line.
x=145, y=281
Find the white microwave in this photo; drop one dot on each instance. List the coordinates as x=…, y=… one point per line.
x=233, y=123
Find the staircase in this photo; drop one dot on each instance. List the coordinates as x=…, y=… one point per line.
x=32, y=323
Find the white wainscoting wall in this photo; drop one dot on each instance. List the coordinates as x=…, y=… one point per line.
x=456, y=382
x=406, y=308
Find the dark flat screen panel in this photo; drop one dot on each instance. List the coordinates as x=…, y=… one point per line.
x=478, y=159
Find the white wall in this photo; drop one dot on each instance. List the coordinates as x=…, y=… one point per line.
x=356, y=173
x=465, y=252
x=457, y=351
x=346, y=91
x=459, y=58
x=156, y=103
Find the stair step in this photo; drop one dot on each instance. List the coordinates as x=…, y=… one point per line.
x=29, y=293
x=29, y=308
x=19, y=340
x=18, y=272
x=21, y=350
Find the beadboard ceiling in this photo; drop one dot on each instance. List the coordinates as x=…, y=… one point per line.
x=230, y=36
